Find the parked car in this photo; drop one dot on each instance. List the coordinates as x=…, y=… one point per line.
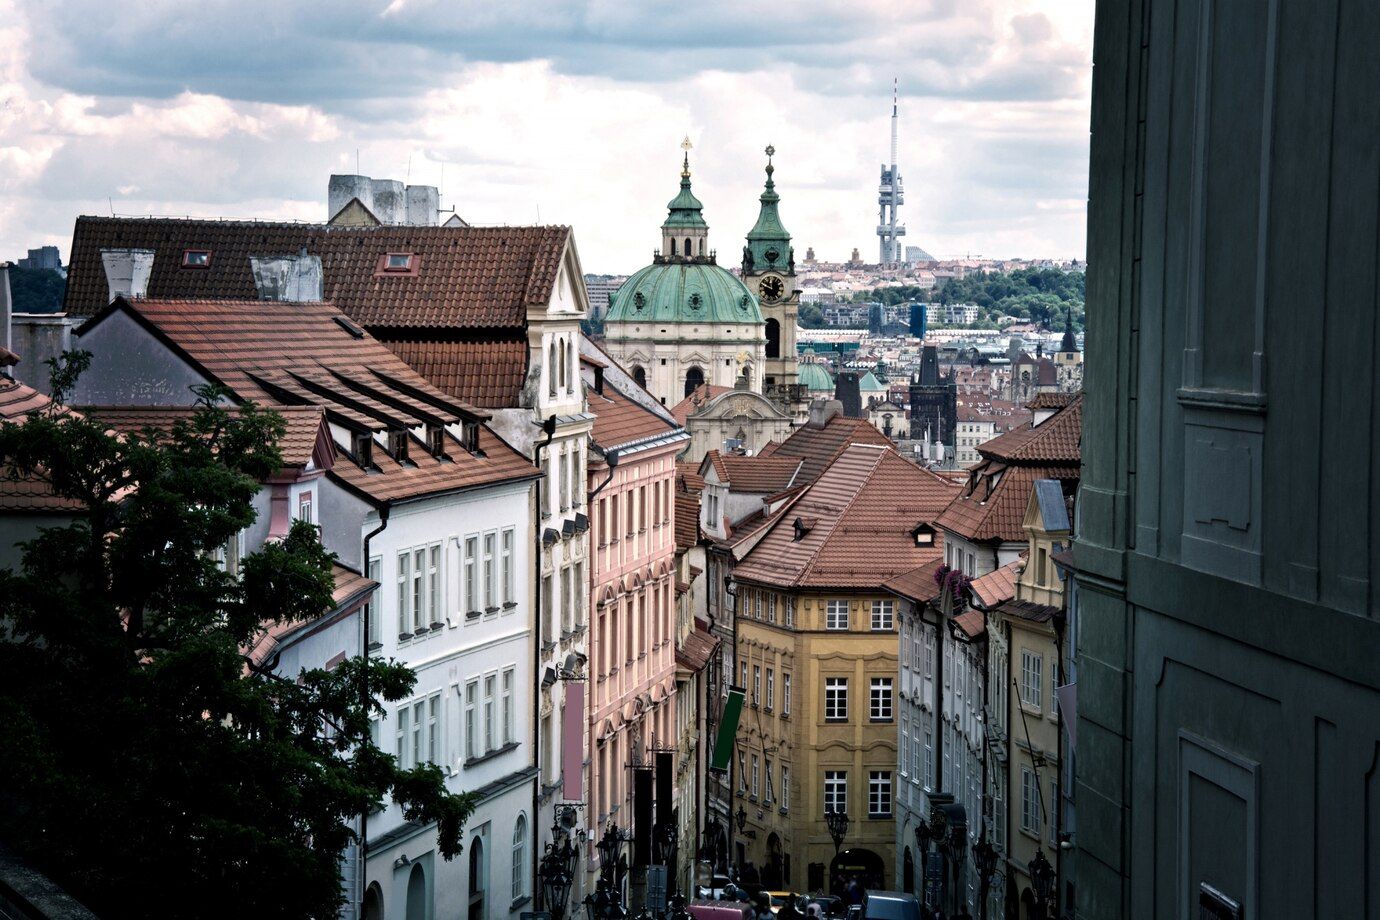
x=720, y=910
x=830, y=906
x=890, y=905
x=714, y=889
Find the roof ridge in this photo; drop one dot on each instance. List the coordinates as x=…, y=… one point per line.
x=857, y=490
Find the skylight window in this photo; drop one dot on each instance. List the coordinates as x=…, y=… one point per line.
x=196, y=258
x=398, y=262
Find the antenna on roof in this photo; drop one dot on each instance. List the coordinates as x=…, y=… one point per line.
x=112, y=205
x=356, y=161
x=409, y=168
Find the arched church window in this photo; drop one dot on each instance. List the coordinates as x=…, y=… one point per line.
x=639, y=374
x=673, y=245
x=773, y=338
x=693, y=378
x=689, y=250
x=551, y=371
x=701, y=245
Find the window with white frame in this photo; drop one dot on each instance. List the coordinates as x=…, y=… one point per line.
x=916, y=762
x=473, y=604
x=879, y=700
x=433, y=728
x=507, y=707
x=506, y=568
x=836, y=615
x=883, y=615
x=472, y=720
x=371, y=611
x=929, y=757
x=755, y=788
x=929, y=653
x=519, y=886
x=771, y=689
x=742, y=772
x=1030, y=802
x=404, y=582
x=771, y=608
x=903, y=755
x=579, y=603
x=490, y=588
x=766, y=767
x=786, y=693
x=419, y=620
x=879, y=794
x=744, y=682
x=790, y=611
x=306, y=508
x=756, y=685
x=433, y=583
x=785, y=787
x=835, y=791
x=836, y=699
x=1032, y=678
x=419, y=731
x=489, y=727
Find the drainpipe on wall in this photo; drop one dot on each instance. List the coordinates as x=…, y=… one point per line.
x=548, y=427
x=368, y=611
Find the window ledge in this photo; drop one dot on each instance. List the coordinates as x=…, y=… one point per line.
x=525, y=899
x=843, y=721
x=496, y=752
x=375, y=646
x=510, y=605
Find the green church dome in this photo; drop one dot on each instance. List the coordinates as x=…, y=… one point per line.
x=815, y=377
x=683, y=292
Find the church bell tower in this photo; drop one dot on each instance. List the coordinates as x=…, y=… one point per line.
x=769, y=272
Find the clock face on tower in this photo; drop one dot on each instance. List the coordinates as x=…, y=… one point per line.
x=770, y=288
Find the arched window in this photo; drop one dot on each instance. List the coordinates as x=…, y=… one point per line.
x=560, y=347
x=773, y=338
x=416, y=894
x=701, y=245
x=551, y=371
x=373, y=902
x=640, y=375
x=478, y=883
x=574, y=364
x=673, y=245
x=689, y=250
x=693, y=378
x=520, y=857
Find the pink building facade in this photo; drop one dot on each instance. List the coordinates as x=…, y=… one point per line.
x=632, y=644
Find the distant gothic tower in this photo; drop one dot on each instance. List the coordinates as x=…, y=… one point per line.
x=769, y=271
x=684, y=321
x=933, y=401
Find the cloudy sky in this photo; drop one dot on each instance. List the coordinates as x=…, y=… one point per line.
x=555, y=111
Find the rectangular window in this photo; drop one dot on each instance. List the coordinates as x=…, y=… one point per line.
x=401, y=751
x=397, y=261
x=196, y=258
x=433, y=728
x=835, y=791
x=755, y=789
x=305, y=507
x=743, y=665
x=771, y=689
x=879, y=794
x=879, y=701
x=756, y=685
x=785, y=787
x=757, y=604
x=836, y=616
x=929, y=757
x=903, y=755
x=785, y=694
x=419, y=623
x=404, y=617
x=489, y=726
x=471, y=720
x=472, y=604
x=507, y=567
x=836, y=699
x=579, y=603
x=790, y=611
x=433, y=584
x=508, y=706
x=882, y=615
x=742, y=772
x=1032, y=678
x=490, y=588
x=418, y=726
x=371, y=611
x=1030, y=802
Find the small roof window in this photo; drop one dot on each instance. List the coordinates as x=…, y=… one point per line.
x=398, y=262
x=196, y=258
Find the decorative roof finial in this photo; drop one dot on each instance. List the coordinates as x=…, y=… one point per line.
x=686, y=146
x=771, y=152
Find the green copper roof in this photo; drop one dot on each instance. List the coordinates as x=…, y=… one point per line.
x=769, y=244
x=685, y=208
x=815, y=377
x=683, y=292
x=870, y=384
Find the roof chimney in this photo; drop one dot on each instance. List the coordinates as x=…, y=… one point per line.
x=287, y=278
x=821, y=410
x=127, y=271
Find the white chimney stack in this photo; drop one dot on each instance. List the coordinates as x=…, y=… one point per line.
x=127, y=271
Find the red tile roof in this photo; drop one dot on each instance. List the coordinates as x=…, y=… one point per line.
x=862, y=508
x=304, y=425
x=973, y=622
x=487, y=372
x=299, y=354
x=1029, y=611
x=757, y=475
x=918, y=584
x=694, y=653
x=818, y=447
x=19, y=399
x=465, y=276
x=687, y=520
x=619, y=420
x=992, y=505
x=698, y=397
x=26, y=493
x=997, y=586
x=351, y=589
x=688, y=476
x=1049, y=400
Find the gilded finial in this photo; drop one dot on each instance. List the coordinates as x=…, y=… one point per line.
x=686, y=146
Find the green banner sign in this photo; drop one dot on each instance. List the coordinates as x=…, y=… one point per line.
x=728, y=729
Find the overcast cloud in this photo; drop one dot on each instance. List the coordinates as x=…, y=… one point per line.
x=561, y=112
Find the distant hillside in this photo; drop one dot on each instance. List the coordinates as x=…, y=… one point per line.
x=36, y=290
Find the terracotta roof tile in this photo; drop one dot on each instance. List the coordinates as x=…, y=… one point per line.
x=486, y=372
x=918, y=584
x=864, y=507
x=351, y=588
x=619, y=420
x=687, y=520
x=1056, y=440
x=19, y=399
x=698, y=397
x=1048, y=400
x=465, y=276
x=972, y=622
x=688, y=476
x=818, y=447
x=695, y=652
x=757, y=475
x=997, y=586
x=1029, y=611
x=26, y=493
x=304, y=425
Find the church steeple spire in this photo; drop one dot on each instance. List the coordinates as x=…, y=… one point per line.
x=769, y=244
x=1069, y=344
x=685, y=235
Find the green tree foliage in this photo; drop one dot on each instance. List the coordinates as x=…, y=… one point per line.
x=810, y=316
x=36, y=290
x=147, y=764
x=1038, y=295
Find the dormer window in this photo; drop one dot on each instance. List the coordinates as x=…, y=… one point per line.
x=398, y=262
x=436, y=440
x=196, y=258
x=923, y=534
x=397, y=445
x=469, y=436
x=363, y=449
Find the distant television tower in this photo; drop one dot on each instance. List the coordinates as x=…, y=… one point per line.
x=889, y=198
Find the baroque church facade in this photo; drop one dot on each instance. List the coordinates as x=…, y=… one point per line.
x=685, y=321
x=769, y=270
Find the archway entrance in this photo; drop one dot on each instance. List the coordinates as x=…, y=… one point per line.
x=772, y=874
x=478, y=883
x=416, y=894
x=856, y=863
x=773, y=338
x=373, y=902
x=640, y=375
x=908, y=873
x=693, y=378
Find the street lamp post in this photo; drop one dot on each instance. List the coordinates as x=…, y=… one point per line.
x=606, y=902
x=923, y=836
x=958, y=852
x=985, y=859
x=1041, y=882
x=556, y=872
